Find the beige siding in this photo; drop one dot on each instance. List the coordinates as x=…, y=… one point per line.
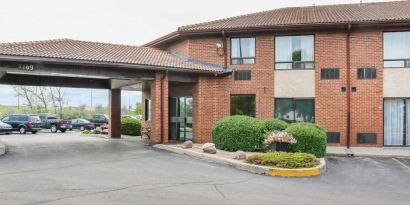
x=396, y=82
x=294, y=84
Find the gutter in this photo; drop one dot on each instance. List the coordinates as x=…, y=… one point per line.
x=162, y=106
x=348, y=90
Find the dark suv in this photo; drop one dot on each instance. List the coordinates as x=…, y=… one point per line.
x=23, y=123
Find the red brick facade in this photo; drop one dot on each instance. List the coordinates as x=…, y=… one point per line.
x=212, y=94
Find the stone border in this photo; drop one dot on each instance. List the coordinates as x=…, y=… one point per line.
x=256, y=169
x=2, y=148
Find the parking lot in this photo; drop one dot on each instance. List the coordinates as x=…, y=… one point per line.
x=67, y=168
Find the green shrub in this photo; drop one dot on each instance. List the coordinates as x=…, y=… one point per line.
x=271, y=125
x=237, y=133
x=131, y=127
x=87, y=132
x=311, y=138
x=284, y=160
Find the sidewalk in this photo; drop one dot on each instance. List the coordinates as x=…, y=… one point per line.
x=369, y=151
x=2, y=148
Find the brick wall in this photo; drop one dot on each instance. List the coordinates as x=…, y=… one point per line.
x=367, y=102
x=330, y=102
x=212, y=94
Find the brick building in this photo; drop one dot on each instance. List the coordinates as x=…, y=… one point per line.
x=345, y=67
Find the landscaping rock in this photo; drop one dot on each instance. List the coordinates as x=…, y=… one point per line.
x=186, y=145
x=209, y=148
x=105, y=132
x=239, y=155
x=98, y=130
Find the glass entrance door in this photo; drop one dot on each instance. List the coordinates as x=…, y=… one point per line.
x=180, y=109
x=397, y=122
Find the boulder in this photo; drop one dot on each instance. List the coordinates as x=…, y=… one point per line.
x=186, y=145
x=97, y=130
x=209, y=148
x=104, y=132
x=239, y=155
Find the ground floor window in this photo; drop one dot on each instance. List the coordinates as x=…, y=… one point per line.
x=243, y=105
x=295, y=110
x=397, y=122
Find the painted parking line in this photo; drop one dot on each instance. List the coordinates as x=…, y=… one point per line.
x=402, y=164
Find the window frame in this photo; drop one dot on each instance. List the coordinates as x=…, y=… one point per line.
x=240, y=51
x=329, y=69
x=294, y=108
x=406, y=61
x=364, y=74
x=230, y=104
x=240, y=77
x=295, y=62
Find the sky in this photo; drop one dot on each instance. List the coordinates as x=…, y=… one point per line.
x=117, y=21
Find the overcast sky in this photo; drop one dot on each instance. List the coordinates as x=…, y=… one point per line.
x=118, y=21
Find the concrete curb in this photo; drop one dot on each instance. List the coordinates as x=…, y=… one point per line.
x=96, y=135
x=2, y=148
x=256, y=169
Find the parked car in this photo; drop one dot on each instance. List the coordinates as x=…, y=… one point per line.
x=51, y=122
x=82, y=124
x=99, y=119
x=23, y=123
x=5, y=128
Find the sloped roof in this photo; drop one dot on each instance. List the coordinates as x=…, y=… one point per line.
x=327, y=14
x=104, y=52
x=294, y=17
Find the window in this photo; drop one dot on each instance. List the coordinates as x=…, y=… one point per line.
x=243, y=105
x=5, y=119
x=242, y=75
x=366, y=73
x=147, y=110
x=243, y=51
x=396, y=49
x=295, y=110
x=329, y=73
x=366, y=138
x=333, y=137
x=294, y=52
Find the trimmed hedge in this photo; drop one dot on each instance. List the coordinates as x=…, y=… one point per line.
x=284, y=160
x=311, y=138
x=237, y=133
x=131, y=127
x=271, y=125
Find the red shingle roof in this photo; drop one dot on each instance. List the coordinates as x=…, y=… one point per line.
x=397, y=11
x=104, y=52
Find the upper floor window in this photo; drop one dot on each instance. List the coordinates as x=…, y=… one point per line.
x=396, y=49
x=366, y=73
x=294, y=52
x=242, y=50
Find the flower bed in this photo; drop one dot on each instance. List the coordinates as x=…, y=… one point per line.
x=284, y=160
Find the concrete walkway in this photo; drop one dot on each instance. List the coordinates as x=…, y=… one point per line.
x=369, y=151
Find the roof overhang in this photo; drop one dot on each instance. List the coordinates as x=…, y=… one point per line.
x=319, y=27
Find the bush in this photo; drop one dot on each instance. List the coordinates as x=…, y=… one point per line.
x=284, y=160
x=87, y=132
x=271, y=125
x=131, y=127
x=237, y=133
x=311, y=138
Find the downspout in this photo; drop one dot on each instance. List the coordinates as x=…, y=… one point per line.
x=162, y=106
x=225, y=49
x=348, y=90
